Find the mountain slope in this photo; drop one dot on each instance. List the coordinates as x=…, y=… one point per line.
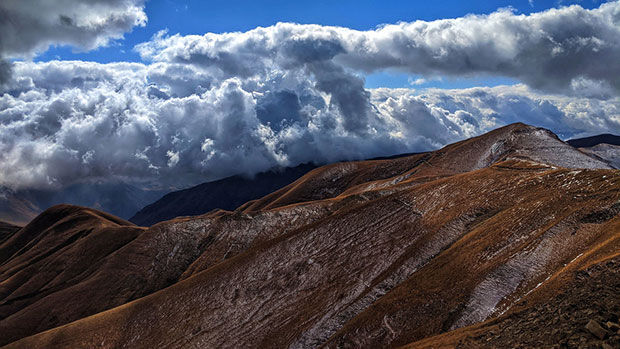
x=556, y=314
x=423, y=260
x=54, y=262
x=227, y=194
x=607, y=152
x=374, y=253
x=605, y=147
x=512, y=141
x=7, y=230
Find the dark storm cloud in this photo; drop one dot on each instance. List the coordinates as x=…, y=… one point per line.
x=347, y=94
x=5, y=71
x=278, y=108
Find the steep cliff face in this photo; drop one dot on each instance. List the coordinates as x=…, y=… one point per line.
x=364, y=254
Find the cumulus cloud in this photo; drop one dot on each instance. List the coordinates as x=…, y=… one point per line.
x=209, y=106
x=30, y=27
x=569, y=50
x=62, y=123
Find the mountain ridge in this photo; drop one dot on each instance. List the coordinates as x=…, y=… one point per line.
x=196, y=194
x=372, y=253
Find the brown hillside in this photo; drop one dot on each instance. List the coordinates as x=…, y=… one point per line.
x=367, y=254
x=7, y=230
x=512, y=141
x=46, y=265
x=555, y=316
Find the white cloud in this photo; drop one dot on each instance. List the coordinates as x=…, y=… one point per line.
x=66, y=122
x=415, y=82
x=173, y=158
x=554, y=50
x=30, y=27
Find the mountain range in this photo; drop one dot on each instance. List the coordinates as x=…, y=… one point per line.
x=227, y=194
x=508, y=239
x=592, y=141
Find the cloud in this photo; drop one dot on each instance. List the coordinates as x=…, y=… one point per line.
x=560, y=50
x=30, y=27
x=214, y=105
x=5, y=71
x=64, y=123
x=415, y=82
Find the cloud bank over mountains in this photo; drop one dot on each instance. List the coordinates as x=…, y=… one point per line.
x=208, y=106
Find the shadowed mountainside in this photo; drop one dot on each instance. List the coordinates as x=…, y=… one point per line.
x=7, y=230
x=592, y=141
x=227, y=194
x=54, y=261
x=376, y=253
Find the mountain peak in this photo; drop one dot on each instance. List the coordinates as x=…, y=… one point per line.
x=520, y=141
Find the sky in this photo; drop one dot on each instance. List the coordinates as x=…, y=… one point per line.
x=182, y=92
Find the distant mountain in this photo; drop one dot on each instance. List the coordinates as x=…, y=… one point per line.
x=495, y=241
x=605, y=147
x=594, y=140
x=227, y=194
x=120, y=199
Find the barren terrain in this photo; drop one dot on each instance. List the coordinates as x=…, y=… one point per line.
x=442, y=248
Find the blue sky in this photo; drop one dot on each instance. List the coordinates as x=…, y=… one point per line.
x=218, y=16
